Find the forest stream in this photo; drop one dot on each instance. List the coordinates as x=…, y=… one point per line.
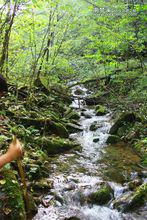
x=78, y=174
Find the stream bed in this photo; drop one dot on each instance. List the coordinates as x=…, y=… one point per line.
x=76, y=174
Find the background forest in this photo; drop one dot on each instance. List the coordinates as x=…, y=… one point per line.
x=47, y=44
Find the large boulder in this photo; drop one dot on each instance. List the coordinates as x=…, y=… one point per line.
x=124, y=120
x=123, y=128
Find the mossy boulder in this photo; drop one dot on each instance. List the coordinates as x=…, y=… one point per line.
x=102, y=196
x=11, y=197
x=113, y=139
x=100, y=110
x=125, y=120
x=54, y=145
x=133, y=200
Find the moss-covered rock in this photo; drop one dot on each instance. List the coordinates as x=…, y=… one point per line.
x=125, y=119
x=132, y=200
x=73, y=115
x=73, y=127
x=113, y=139
x=100, y=110
x=141, y=147
x=94, y=126
x=54, y=145
x=94, y=99
x=47, y=124
x=102, y=195
x=79, y=91
x=11, y=197
x=42, y=185
x=86, y=115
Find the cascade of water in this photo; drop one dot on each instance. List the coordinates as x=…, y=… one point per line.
x=67, y=198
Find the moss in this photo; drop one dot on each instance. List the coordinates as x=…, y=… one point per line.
x=61, y=130
x=132, y=201
x=54, y=145
x=100, y=110
x=13, y=206
x=102, y=195
x=141, y=147
x=48, y=124
x=139, y=197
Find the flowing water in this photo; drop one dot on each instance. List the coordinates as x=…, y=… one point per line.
x=78, y=173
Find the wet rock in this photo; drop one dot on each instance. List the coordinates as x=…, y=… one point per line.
x=86, y=115
x=102, y=195
x=83, y=110
x=134, y=184
x=143, y=174
x=113, y=139
x=131, y=201
x=42, y=185
x=94, y=126
x=100, y=110
x=47, y=200
x=79, y=91
x=54, y=145
x=70, y=186
x=95, y=140
x=72, y=218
